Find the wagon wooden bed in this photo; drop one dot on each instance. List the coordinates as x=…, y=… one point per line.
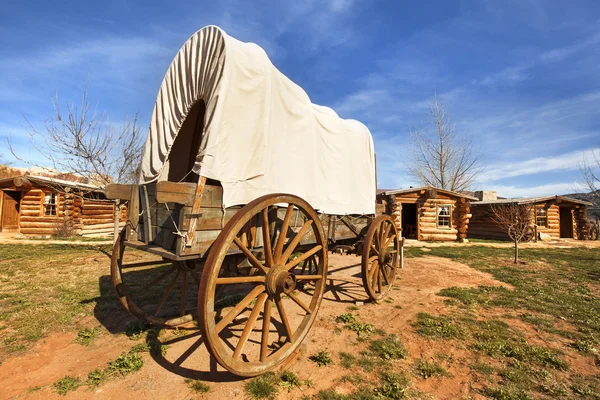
x=259, y=266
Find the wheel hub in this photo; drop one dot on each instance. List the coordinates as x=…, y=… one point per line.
x=280, y=280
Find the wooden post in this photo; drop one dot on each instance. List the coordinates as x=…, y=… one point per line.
x=117, y=214
x=189, y=237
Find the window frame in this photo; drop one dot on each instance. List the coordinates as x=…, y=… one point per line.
x=44, y=206
x=449, y=216
x=544, y=218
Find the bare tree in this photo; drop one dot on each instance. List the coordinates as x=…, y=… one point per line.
x=81, y=140
x=77, y=139
x=590, y=174
x=439, y=156
x=515, y=220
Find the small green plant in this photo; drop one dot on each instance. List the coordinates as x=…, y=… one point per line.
x=427, y=369
x=33, y=389
x=126, y=363
x=393, y=386
x=347, y=360
x=322, y=358
x=398, y=306
x=506, y=393
x=262, y=387
x=440, y=327
x=136, y=330
x=585, y=346
x=85, y=336
x=197, y=385
x=345, y=318
x=289, y=380
x=353, y=379
x=362, y=329
x=66, y=384
x=330, y=394
x=482, y=368
x=388, y=348
x=96, y=378
x=352, y=308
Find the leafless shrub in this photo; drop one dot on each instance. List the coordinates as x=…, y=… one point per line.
x=515, y=220
x=64, y=228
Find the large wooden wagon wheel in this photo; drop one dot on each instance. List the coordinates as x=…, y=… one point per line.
x=380, y=257
x=158, y=292
x=253, y=321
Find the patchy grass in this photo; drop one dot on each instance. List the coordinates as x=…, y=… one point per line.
x=388, y=348
x=393, y=386
x=427, y=369
x=322, y=358
x=262, y=387
x=67, y=384
x=197, y=385
x=85, y=336
x=555, y=292
x=347, y=360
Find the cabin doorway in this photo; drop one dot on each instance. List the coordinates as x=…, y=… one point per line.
x=566, y=223
x=409, y=221
x=11, y=202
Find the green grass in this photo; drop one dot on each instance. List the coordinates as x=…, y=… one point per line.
x=87, y=335
x=393, y=386
x=345, y=318
x=388, y=348
x=67, y=384
x=262, y=387
x=347, y=360
x=197, y=385
x=428, y=369
x=437, y=327
x=322, y=358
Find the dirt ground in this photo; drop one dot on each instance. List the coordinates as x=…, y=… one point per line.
x=31, y=374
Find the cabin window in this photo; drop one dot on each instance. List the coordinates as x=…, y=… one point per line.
x=50, y=205
x=541, y=218
x=444, y=213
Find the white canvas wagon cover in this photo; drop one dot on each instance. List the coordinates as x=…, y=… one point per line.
x=261, y=133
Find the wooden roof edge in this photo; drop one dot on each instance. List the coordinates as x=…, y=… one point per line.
x=418, y=189
x=530, y=200
x=55, y=181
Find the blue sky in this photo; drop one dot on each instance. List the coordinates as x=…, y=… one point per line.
x=522, y=77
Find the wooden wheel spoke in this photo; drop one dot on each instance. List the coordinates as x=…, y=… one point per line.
x=303, y=257
x=240, y=279
x=167, y=293
x=374, y=275
x=251, y=257
x=154, y=281
x=299, y=302
x=294, y=242
x=374, y=249
x=183, y=294
x=385, y=276
x=385, y=232
x=267, y=237
x=283, y=233
x=249, y=325
x=373, y=258
x=371, y=270
x=388, y=241
x=379, y=280
x=284, y=319
x=238, y=308
x=264, y=340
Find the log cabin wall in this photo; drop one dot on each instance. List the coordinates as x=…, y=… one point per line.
x=42, y=210
x=482, y=224
x=427, y=202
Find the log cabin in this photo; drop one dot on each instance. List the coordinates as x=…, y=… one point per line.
x=551, y=216
x=41, y=206
x=428, y=213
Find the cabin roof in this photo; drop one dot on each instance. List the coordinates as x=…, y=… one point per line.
x=386, y=192
x=532, y=200
x=46, y=181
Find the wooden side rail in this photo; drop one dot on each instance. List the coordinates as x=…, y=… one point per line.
x=185, y=192
x=118, y=191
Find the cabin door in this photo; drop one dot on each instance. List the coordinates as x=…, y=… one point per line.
x=10, y=211
x=566, y=222
x=409, y=221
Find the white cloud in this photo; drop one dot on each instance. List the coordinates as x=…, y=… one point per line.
x=535, y=191
x=564, y=162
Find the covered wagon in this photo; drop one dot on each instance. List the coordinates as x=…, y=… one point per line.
x=244, y=186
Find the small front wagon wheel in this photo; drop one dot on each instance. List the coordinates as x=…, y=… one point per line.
x=380, y=257
x=157, y=292
x=262, y=284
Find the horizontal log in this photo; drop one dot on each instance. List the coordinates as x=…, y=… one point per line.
x=97, y=221
x=438, y=237
x=97, y=226
x=118, y=191
x=211, y=219
x=183, y=193
x=36, y=231
x=86, y=211
x=441, y=231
